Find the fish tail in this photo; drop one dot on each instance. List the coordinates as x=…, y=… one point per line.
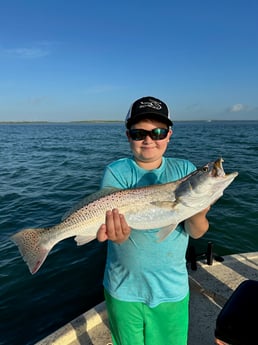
x=32, y=247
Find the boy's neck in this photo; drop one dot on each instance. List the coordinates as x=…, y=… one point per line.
x=149, y=165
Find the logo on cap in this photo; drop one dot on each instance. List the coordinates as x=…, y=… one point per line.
x=151, y=104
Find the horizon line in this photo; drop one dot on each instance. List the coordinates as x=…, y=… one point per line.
x=115, y=121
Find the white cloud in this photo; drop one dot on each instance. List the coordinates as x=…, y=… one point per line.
x=26, y=53
x=35, y=51
x=237, y=108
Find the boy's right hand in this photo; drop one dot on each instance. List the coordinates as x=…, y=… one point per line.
x=115, y=228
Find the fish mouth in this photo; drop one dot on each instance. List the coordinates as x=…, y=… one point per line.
x=218, y=170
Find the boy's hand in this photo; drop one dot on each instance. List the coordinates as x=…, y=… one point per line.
x=115, y=228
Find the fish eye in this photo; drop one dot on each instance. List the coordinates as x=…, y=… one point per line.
x=205, y=169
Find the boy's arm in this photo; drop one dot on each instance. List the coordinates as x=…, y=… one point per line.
x=197, y=225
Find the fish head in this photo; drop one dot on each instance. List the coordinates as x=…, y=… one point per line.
x=206, y=183
x=216, y=170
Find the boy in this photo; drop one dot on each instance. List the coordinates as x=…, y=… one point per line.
x=145, y=281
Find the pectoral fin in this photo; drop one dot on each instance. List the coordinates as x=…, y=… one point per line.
x=81, y=240
x=165, y=231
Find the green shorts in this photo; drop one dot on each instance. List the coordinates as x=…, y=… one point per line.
x=135, y=323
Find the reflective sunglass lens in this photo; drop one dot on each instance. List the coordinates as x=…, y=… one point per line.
x=159, y=133
x=137, y=134
x=155, y=134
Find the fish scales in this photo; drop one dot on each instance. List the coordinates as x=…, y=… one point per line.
x=160, y=207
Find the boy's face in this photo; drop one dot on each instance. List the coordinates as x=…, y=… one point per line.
x=148, y=152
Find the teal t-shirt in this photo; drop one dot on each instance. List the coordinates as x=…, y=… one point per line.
x=142, y=269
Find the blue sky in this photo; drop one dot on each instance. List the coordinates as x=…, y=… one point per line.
x=84, y=60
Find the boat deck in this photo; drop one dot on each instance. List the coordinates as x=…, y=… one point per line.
x=210, y=287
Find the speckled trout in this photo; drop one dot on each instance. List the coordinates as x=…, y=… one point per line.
x=161, y=206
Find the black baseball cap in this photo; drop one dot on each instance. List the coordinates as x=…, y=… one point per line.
x=148, y=108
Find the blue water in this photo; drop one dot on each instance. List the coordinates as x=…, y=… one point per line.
x=46, y=168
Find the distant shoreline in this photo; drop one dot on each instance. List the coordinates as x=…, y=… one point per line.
x=107, y=121
x=61, y=122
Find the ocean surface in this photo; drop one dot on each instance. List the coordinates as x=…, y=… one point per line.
x=47, y=168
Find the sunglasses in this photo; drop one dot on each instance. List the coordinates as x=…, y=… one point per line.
x=155, y=134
